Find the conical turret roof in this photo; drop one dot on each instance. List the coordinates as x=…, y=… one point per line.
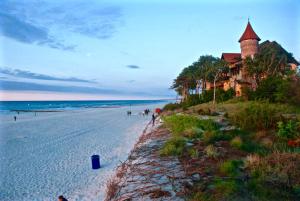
x=249, y=34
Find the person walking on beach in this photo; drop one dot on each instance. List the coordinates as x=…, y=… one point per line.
x=153, y=119
x=15, y=118
x=62, y=198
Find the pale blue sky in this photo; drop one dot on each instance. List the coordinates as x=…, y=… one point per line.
x=125, y=49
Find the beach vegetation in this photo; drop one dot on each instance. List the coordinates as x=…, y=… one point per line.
x=178, y=124
x=257, y=137
x=211, y=151
x=194, y=153
x=212, y=136
x=274, y=177
x=276, y=89
x=256, y=116
x=288, y=130
x=193, y=133
x=112, y=187
x=224, y=189
x=172, y=106
x=236, y=142
x=173, y=147
x=201, y=196
x=231, y=167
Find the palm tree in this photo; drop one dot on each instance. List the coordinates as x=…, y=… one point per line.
x=185, y=81
x=206, y=69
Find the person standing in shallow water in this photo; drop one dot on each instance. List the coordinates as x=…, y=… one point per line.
x=153, y=119
x=62, y=198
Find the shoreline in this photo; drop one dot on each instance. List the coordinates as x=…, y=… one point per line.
x=110, y=133
x=145, y=175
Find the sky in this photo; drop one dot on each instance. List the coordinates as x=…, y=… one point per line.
x=126, y=49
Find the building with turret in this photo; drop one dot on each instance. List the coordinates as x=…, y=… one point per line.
x=237, y=77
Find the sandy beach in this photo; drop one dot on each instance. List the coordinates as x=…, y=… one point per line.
x=145, y=175
x=46, y=155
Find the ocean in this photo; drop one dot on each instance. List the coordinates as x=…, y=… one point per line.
x=6, y=106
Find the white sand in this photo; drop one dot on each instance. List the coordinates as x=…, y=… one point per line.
x=47, y=155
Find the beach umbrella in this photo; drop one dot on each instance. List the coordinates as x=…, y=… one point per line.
x=157, y=110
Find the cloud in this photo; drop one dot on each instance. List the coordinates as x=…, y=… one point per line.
x=22, y=31
x=51, y=22
x=30, y=75
x=133, y=66
x=102, y=21
x=28, y=86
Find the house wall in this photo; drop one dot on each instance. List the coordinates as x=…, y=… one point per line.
x=293, y=67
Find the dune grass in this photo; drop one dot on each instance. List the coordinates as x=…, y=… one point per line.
x=271, y=169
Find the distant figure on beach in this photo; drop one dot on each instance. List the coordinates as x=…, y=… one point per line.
x=153, y=119
x=15, y=118
x=146, y=111
x=128, y=113
x=62, y=198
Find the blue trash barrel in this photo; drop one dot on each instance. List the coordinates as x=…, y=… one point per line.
x=95, y=161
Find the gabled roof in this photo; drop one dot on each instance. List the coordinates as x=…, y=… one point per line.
x=249, y=34
x=231, y=57
x=268, y=46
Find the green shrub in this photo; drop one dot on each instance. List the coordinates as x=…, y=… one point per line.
x=269, y=89
x=207, y=96
x=180, y=123
x=231, y=167
x=201, y=196
x=288, y=130
x=193, y=153
x=204, y=111
x=293, y=92
x=256, y=116
x=277, y=169
x=225, y=95
x=211, y=151
x=225, y=189
x=193, y=133
x=296, y=190
x=173, y=147
x=221, y=95
x=276, y=89
x=172, y=106
x=251, y=146
x=209, y=125
x=236, y=142
x=265, y=192
x=236, y=132
x=193, y=99
x=212, y=136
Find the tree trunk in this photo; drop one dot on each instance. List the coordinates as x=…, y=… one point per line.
x=214, y=100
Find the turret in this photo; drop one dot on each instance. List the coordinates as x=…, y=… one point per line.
x=249, y=42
